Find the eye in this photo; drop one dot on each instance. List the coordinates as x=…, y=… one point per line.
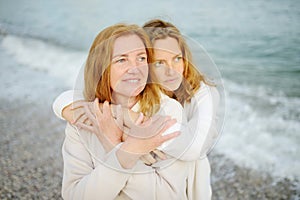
x=178, y=58
x=159, y=63
x=142, y=58
x=120, y=60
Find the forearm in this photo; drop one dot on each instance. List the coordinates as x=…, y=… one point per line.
x=65, y=99
x=200, y=129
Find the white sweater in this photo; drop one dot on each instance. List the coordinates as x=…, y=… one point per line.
x=201, y=116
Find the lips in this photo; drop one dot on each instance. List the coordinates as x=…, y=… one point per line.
x=132, y=80
x=171, y=80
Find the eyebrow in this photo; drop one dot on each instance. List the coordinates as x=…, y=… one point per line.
x=126, y=55
x=179, y=54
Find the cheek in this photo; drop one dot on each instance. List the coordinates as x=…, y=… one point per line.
x=180, y=68
x=115, y=77
x=144, y=69
x=159, y=74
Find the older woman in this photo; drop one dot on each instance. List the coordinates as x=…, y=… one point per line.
x=100, y=165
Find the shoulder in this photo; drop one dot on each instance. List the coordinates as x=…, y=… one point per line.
x=171, y=107
x=207, y=91
x=166, y=101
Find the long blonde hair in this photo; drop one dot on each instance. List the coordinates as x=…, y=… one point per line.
x=98, y=66
x=159, y=29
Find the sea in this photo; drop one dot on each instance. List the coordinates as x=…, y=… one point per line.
x=253, y=45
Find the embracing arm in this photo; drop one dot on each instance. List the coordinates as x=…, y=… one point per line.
x=199, y=132
x=64, y=100
x=203, y=121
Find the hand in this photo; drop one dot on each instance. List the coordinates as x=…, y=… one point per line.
x=145, y=136
x=135, y=147
x=104, y=126
x=145, y=127
x=153, y=157
x=75, y=112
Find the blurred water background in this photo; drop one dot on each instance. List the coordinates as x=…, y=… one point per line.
x=255, y=44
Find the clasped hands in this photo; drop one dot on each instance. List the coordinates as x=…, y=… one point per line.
x=113, y=124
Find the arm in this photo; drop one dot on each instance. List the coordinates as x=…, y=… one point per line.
x=64, y=100
x=199, y=132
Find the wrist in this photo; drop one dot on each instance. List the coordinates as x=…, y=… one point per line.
x=126, y=158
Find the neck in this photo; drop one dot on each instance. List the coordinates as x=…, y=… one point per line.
x=127, y=102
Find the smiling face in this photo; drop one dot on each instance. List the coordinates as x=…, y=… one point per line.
x=168, y=66
x=129, y=68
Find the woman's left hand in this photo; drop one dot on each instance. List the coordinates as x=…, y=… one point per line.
x=153, y=157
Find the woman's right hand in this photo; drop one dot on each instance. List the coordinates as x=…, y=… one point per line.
x=144, y=137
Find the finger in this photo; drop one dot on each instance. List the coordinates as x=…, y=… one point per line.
x=82, y=119
x=160, y=154
x=90, y=116
x=159, y=125
x=169, y=136
x=145, y=161
x=149, y=158
x=78, y=104
x=119, y=115
x=84, y=127
x=77, y=114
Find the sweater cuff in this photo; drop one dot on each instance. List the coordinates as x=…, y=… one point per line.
x=65, y=99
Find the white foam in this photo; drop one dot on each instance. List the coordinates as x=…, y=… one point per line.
x=39, y=55
x=258, y=138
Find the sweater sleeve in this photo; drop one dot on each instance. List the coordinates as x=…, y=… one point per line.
x=81, y=180
x=65, y=99
x=199, y=131
x=202, y=122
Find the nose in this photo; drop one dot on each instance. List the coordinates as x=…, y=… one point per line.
x=169, y=69
x=132, y=66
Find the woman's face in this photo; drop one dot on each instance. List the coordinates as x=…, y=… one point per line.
x=129, y=67
x=168, y=65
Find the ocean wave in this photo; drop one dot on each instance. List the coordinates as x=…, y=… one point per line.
x=42, y=56
x=260, y=131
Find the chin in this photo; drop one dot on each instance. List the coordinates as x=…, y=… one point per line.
x=137, y=91
x=172, y=87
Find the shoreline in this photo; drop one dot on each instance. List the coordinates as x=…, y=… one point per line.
x=230, y=181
